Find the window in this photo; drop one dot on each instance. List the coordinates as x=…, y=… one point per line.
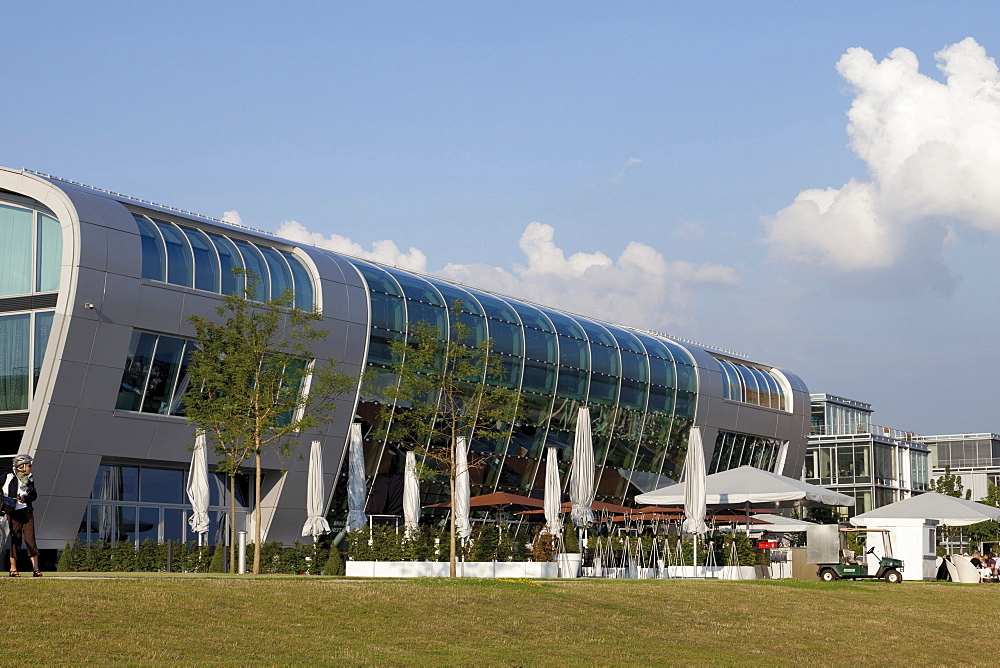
x=180, y=264
x=155, y=376
x=30, y=251
x=24, y=338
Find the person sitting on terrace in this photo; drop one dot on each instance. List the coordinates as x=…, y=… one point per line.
x=976, y=561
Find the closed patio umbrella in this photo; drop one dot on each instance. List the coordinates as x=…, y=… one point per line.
x=581, y=476
x=197, y=488
x=552, y=494
x=411, y=493
x=695, y=505
x=462, y=489
x=356, y=518
x=316, y=524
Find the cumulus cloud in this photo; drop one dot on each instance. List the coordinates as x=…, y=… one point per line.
x=933, y=154
x=639, y=288
x=384, y=251
x=232, y=217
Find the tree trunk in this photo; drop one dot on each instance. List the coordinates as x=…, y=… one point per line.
x=232, y=522
x=452, y=568
x=256, y=515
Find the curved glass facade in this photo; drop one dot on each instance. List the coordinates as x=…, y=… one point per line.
x=204, y=261
x=640, y=389
x=751, y=385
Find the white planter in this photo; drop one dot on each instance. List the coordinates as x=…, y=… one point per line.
x=464, y=569
x=569, y=564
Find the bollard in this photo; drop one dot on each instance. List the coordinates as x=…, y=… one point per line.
x=242, y=542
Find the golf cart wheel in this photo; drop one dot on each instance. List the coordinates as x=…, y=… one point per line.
x=893, y=576
x=828, y=575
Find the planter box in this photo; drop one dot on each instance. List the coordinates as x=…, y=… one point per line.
x=569, y=564
x=464, y=569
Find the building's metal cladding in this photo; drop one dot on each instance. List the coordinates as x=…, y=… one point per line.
x=94, y=338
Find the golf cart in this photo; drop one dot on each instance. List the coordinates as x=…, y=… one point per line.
x=827, y=548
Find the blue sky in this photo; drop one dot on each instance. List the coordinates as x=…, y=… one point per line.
x=567, y=152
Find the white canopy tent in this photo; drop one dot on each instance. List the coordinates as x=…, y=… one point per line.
x=780, y=524
x=947, y=510
x=747, y=484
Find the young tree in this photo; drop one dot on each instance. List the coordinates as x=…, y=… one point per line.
x=447, y=386
x=255, y=384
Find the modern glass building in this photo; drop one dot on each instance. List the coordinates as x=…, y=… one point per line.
x=876, y=465
x=975, y=458
x=95, y=293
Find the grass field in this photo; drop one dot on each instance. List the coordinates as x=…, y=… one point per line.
x=303, y=620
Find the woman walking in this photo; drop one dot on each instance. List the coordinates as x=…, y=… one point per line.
x=20, y=487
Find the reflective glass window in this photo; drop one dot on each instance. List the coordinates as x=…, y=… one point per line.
x=154, y=257
x=539, y=345
x=566, y=326
x=506, y=338
x=679, y=353
x=661, y=398
x=626, y=340
x=229, y=259
x=597, y=334
x=417, y=288
x=604, y=360
x=136, y=370
x=303, y=283
x=254, y=263
x=387, y=311
x=163, y=375
x=633, y=393
x=15, y=340
x=378, y=280
x=539, y=377
x=572, y=383
x=654, y=347
x=43, y=327
x=161, y=486
x=687, y=378
x=116, y=483
x=763, y=391
x=574, y=353
x=661, y=372
x=180, y=264
x=49, y=253
x=634, y=366
x=751, y=395
x=531, y=316
x=452, y=294
x=15, y=250
x=497, y=309
x=603, y=388
x=281, y=275
x=417, y=312
x=206, y=260
x=509, y=372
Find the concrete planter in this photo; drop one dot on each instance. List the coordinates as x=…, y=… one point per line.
x=464, y=569
x=569, y=564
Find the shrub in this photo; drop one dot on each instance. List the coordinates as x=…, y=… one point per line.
x=334, y=563
x=218, y=562
x=65, y=563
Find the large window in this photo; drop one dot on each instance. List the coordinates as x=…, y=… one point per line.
x=751, y=385
x=23, y=340
x=733, y=450
x=30, y=251
x=192, y=258
x=155, y=376
x=139, y=503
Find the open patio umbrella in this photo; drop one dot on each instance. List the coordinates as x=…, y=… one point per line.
x=356, y=480
x=581, y=476
x=316, y=524
x=695, y=504
x=748, y=485
x=463, y=526
x=498, y=501
x=552, y=494
x=947, y=510
x=411, y=493
x=197, y=488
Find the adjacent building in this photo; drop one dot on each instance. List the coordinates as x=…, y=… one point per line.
x=96, y=289
x=975, y=458
x=848, y=453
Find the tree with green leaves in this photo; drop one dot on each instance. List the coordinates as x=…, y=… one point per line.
x=255, y=384
x=948, y=484
x=446, y=385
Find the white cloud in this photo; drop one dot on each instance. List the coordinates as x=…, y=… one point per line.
x=384, y=251
x=640, y=288
x=620, y=175
x=933, y=155
x=232, y=217
x=688, y=230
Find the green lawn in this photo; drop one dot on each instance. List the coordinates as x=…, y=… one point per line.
x=304, y=620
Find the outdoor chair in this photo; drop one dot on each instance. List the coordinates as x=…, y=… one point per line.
x=966, y=571
x=952, y=571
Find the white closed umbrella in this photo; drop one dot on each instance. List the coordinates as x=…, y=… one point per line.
x=581, y=476
x=316, y=524
x=411, y=493
x=463, y=491
x=356, y=491
x=197, y=488
x=695, y=491
x=552, y=501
